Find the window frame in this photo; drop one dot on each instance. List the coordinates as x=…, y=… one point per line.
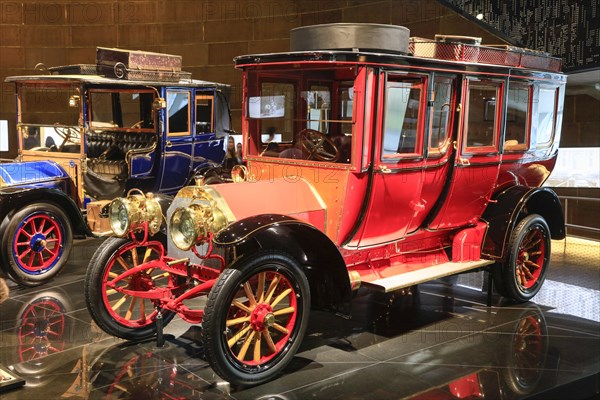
x=184, y=133
x=210, y=97
x=522, y=147
x=536, y=99
x=422, y=81
x=497, y=121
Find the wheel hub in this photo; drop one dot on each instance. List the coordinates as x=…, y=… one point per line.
x=38, y=242
x=141, y=281
x=262, y=317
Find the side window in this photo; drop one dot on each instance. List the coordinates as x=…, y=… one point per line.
x=546, y=104
x=318, y=108
x=204, y=113
x=481, y=117
x=441, y=116
x=178, y=111
x=517, y=117
x=401, y=134
x=275, y=109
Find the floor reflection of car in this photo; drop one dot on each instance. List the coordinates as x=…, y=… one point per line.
x=394, y=168
x=84, y=139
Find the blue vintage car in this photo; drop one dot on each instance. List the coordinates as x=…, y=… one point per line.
x=85, y=139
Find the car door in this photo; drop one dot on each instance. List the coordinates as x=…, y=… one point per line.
x=396, y=207
x=474, y=173
x=211, y=124
x=177, y=141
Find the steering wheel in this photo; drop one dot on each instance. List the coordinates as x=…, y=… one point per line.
x=66, y=133
x=138, y=125
x=318, y=146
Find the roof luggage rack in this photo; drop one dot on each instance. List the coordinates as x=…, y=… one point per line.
x=469, y=49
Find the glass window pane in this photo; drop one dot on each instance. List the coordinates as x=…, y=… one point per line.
x=204, y=114
x=517, y=116
x=401, y=119
x=440, y=125
x=178, y=112
x=481, y=118
x=545, y=127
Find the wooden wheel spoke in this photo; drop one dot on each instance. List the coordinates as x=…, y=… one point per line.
x=527, y=273
x=242, y=354
x=260, y=291
x=123, y=263
x=41, y=227
x=143, y=310
x=147, y=255
x=282, y=296
x=236, y=321
x=111, y=291
x=249, y=294
x=241, y=306
x=113, y=274
x=24, y=254
x=119, y=302
x=130, y=309
x=48, y=231
x=257, y=344
x=134, y=256
x=283, y=311
x=234, y=339
x=532, y=264
x=271, y=289
x=281, y=329
x=269, y=340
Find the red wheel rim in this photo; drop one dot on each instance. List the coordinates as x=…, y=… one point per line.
x=41, y=332
x=38, y=243
x=128, y=310
x=261, y=318
x=531, y=258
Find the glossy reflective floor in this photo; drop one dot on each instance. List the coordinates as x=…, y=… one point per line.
x=440, y=342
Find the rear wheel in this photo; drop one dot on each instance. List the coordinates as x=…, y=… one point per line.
x=255, y=318
x=524, y=271
x=36, y=244
x=119, y=314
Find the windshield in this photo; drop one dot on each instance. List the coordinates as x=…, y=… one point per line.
x=301, y=114
x=121, y=109
x=50, y=117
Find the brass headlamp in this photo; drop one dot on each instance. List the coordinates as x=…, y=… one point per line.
x=192, y=224
x=133, y=213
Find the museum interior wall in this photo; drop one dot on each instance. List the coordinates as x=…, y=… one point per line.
x=208, y=34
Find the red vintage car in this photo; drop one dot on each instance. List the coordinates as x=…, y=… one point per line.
x=373, y=160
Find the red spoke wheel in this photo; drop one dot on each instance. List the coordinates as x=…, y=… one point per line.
x=255, y=318
x=119, y=314
x=36, y=244
x=527, y=260
x=42, y=329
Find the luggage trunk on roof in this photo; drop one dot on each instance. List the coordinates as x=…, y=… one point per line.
x=138, y=65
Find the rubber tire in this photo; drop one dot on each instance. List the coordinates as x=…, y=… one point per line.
x=511, y=287
x=8, y=263
x=92, y=289
x=213, y=325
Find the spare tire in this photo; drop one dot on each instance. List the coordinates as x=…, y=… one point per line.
x=348, y=36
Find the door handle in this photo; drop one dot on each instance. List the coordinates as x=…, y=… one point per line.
x=384, y=169
x=168, y=143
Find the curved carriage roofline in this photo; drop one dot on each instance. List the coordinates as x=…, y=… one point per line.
x=365, y=56
x=101, y=80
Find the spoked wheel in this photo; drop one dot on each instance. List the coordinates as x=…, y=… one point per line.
x=255, y=318
x=528, y=259
x=41, y=332
x=36, y=244
x=117, y=313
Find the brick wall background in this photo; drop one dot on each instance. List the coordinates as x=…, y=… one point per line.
x=207, y=33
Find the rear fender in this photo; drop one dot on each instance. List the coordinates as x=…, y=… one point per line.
x=512, y=205
x=319, y=256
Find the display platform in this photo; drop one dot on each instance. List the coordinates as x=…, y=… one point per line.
x=439, y=341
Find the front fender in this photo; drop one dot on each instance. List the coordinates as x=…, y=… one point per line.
x=322, y=262
x=513, y=204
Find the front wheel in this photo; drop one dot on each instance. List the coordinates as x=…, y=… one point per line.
x=256, y=317
x=36, y=243
x=115, y=312
x=524, y=271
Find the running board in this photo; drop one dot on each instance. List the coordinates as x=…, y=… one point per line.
x=423, y=275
